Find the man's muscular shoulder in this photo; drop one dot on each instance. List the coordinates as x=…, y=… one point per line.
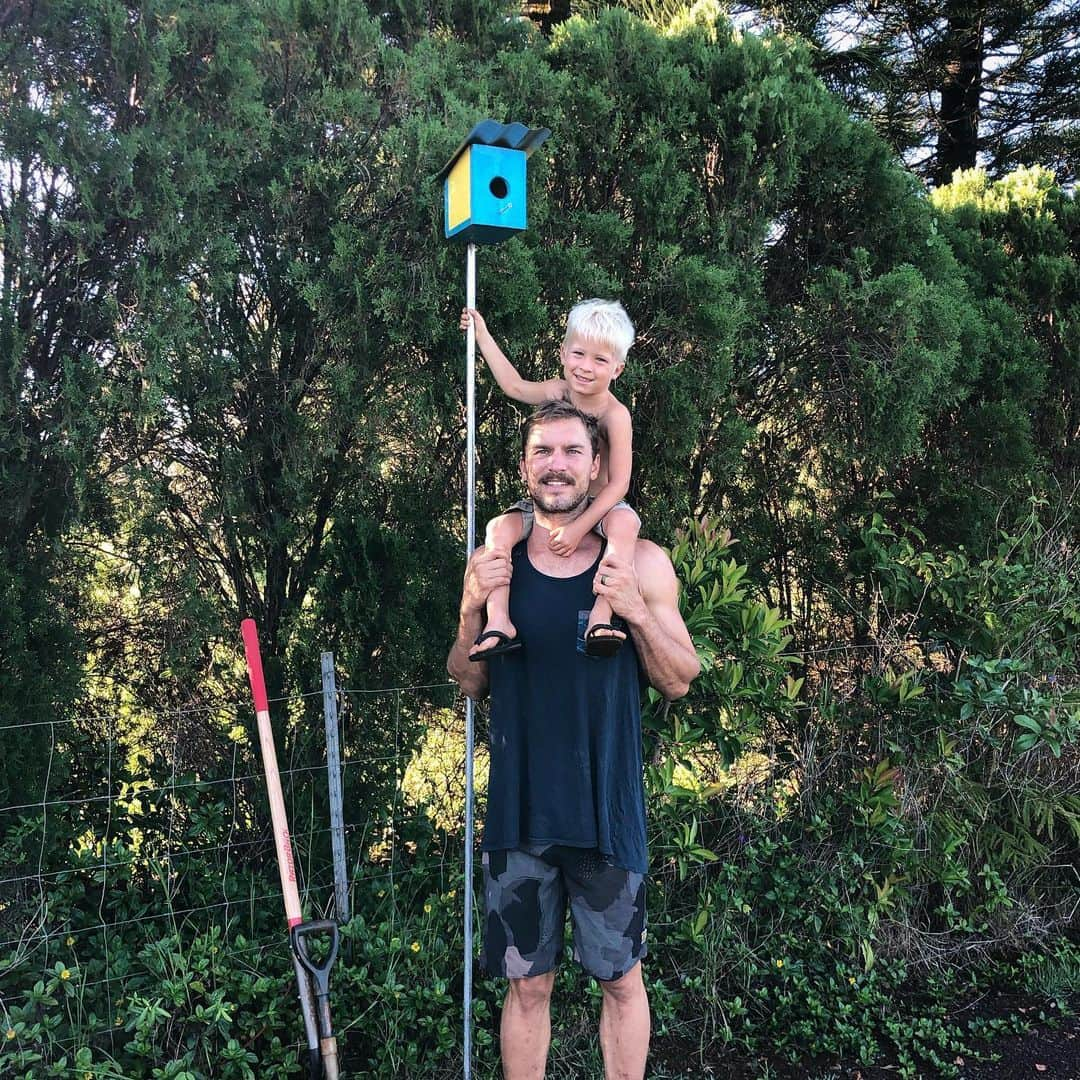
x=653, y=565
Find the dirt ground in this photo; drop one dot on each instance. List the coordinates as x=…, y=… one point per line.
x=1050, y=1050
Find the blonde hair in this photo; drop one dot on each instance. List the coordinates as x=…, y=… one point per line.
x=605, y=321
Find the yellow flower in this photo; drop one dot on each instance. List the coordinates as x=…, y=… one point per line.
x=427, y=909
x=65, y=974
x=452, y=893
x=10, y=1033
x=851, y=979
x=69, y=942
x=381, y=893
x=415, y=946
x=779, y=963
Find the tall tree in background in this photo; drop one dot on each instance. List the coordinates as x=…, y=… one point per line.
x=99, y=200
x=953, y=85
x=283, y=347
x=285, y=472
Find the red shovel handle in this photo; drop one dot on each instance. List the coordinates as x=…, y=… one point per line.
x=254, y=664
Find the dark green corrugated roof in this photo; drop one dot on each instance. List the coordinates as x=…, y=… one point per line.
x=492, y=133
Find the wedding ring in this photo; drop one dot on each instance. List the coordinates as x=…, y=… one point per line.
x=603, y=580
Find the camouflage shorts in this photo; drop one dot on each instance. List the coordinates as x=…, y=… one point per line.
x=527, y=890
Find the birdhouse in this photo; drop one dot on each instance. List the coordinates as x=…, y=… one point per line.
x=484, y=188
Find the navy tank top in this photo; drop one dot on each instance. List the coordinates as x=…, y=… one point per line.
x=565, y=735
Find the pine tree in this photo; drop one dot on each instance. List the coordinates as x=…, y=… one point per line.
x=954, y=85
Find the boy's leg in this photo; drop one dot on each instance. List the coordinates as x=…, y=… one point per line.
x=621, y=530
x=501, y=535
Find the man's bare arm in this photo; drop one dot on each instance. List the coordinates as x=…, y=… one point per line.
x=487, y=570
x=646, y=595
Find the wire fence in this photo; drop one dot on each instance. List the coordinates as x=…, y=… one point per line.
x=185, y=794
x=142, y=839
x=200, y=796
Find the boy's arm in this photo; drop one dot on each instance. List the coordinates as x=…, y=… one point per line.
x=506, y=375
x=620, y=464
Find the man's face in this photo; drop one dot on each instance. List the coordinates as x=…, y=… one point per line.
x=558, y=465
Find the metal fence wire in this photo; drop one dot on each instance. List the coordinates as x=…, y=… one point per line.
x=142, y=838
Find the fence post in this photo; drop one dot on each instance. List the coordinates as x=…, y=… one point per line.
x=333, y=769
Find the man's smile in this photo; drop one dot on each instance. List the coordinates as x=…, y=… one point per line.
x=557, y=480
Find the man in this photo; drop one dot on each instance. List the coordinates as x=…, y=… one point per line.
x=565, y=818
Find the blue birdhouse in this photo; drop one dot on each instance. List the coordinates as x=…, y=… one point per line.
x=484, y=187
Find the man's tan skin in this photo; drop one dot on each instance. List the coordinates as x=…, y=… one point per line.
x=557, y=469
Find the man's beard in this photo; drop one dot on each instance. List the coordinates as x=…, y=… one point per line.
x=540, y=501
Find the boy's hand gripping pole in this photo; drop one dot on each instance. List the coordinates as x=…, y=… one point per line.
x=282, y=843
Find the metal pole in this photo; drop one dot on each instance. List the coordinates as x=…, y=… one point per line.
x=333, y=772
x=470, y=533
x=470, y=402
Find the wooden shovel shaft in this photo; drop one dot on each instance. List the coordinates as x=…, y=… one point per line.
x=286, y=864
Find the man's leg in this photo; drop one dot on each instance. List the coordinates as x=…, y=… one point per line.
x=525, y=1031
x=523, y=940
x=624, y=1027
x=608, y=906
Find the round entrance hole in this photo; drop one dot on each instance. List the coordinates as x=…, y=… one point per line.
x=499, y=187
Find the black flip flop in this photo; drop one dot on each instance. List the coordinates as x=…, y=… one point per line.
x=506, y=644
x=606, y=644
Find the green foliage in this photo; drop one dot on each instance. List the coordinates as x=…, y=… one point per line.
x=741, y=642
x=1017, y=239
x=989, y=746
x=943, y=83
x=232, y=387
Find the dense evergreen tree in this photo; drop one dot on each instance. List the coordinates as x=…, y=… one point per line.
x=1018, y=240
x=955, y=85
x=99, y=202
x=264, y=378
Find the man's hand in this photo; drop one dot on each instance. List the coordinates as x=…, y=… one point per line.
x=564, y=540
x=616, y=581
x=645, y=593
x=486, y=571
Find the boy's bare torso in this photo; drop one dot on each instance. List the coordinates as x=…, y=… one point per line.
x=601, y=410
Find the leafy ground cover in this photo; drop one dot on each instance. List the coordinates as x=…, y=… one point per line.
x=1020, y=1036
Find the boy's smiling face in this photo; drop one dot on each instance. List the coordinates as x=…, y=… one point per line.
x=589, y=366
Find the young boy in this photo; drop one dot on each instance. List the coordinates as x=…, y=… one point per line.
x=598, y=336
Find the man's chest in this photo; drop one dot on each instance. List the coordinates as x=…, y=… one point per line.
x=545, y=562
